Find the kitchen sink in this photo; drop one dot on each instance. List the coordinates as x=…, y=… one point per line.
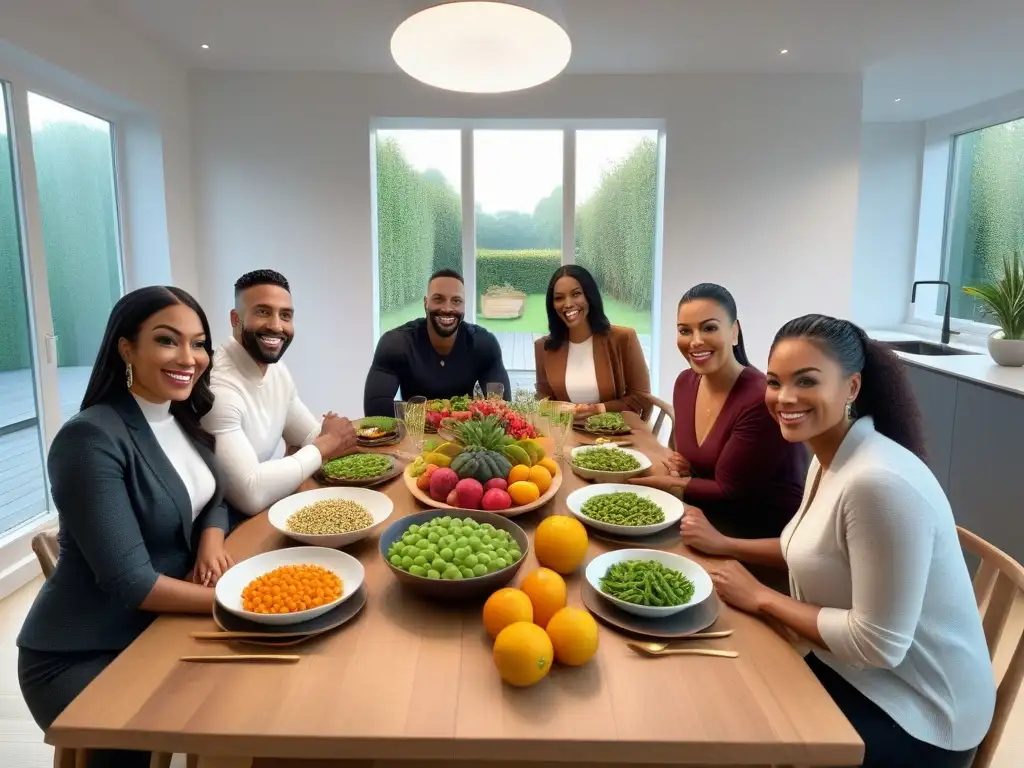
x=929, y=348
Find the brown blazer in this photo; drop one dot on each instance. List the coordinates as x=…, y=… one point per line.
x=622, y=375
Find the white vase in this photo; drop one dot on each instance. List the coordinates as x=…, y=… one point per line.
x=1006, y=352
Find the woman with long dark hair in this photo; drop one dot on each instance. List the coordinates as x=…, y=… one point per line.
x=140, y=503
x=585, y=359
x=880, y=588
x=731, y=461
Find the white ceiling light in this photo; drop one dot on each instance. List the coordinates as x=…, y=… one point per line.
x=480, y=46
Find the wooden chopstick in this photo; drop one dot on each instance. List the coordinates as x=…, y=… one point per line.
x=257, y=657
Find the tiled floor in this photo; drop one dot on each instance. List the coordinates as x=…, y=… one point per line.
x=21, y=743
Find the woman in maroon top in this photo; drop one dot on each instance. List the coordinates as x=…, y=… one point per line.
x=732, y=460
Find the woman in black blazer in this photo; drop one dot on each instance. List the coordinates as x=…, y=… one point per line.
x=142, y=517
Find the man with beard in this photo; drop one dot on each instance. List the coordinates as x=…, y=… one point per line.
x=256, y=403
x=438, y=356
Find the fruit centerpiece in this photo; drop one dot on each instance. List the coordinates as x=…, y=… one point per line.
x=489, y=470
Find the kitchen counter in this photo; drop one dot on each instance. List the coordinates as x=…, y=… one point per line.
x=977, y=368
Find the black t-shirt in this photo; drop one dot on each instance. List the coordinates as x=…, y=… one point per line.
x=406, y=360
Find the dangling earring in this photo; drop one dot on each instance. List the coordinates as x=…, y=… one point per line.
x=129, y=377
x=849, y=410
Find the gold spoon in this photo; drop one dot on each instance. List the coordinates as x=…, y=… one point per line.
x=260, y=658
x=659, y=649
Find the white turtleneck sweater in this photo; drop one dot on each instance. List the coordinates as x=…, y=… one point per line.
x=196, y=476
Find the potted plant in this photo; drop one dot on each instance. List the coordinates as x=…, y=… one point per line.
x=1003, y=300
x=503, y=302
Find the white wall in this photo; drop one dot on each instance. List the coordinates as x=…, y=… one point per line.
x=71, y=50
x=760, y=195
x=887, y=210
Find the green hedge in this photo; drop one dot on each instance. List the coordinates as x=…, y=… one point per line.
x=529, y=271
x=615, y=228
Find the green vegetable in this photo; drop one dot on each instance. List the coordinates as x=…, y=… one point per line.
x=647, y=582
x=358, y=466
x=384, y=423
x=606, y=460
x=607, y=422
x=623, y=508
x=454, y=548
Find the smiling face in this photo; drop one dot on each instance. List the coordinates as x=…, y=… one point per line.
x=445, y=305
x=168, y=356
x=808, y=391
x=570, y=302
x=706, y=336
x=263, y=322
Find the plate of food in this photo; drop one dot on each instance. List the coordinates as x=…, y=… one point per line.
x=377, y=431
x=625, y=510
x=607, y=424
x=490, y=471
x=331, y=517
x=289, y=586
x=358, y=469
x=608, y=463
x=648, y=582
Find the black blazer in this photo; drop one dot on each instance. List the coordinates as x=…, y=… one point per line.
x=125, y=518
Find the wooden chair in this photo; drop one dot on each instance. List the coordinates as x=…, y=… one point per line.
x=660, y=410
x=998, y=583
x=45, y=546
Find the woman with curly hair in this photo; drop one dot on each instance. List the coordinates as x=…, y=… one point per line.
x=880, y=588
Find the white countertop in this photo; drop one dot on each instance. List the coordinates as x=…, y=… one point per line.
x=978, y=368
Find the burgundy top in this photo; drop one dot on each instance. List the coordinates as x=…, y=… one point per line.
x=746, y=477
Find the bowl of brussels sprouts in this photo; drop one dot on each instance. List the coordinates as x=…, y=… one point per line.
x=608, y=464
x=626, y=510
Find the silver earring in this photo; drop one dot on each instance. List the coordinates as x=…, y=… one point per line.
x=129, y=377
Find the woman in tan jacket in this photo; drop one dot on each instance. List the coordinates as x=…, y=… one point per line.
x=585, y=359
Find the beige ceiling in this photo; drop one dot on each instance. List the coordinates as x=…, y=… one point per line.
x=934, y=55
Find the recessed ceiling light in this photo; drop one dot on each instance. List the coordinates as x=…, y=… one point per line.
x=206, y=47
x=897, y=100
x=481, y=46
x=784, y=51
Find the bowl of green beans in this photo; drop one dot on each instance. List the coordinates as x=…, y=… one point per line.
x=331, y=517
x=625, y=510
x=608, y=464
x=649, y=582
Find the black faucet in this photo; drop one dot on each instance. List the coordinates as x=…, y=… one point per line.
x=945, y=312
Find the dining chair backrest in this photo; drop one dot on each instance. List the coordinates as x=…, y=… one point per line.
x=998, y=584
x=659, y=413
x=46, y=548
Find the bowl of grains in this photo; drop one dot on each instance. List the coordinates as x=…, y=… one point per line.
x=290, y=585
x=331, y=517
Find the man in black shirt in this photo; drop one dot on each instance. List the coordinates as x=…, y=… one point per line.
x=438, y=356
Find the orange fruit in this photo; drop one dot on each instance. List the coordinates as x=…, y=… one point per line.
x=523, y=654
x=560, y=543
x=540, y=477
x=519, y=473
x=504, y=607
x=573, y=634
x=550, y=465
x=546, y=590
x=523, y=492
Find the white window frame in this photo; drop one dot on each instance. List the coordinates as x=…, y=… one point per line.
x=17, y=561
x=935, y=222
x=468, y=197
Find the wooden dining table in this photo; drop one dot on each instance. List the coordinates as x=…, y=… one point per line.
x=411, y=682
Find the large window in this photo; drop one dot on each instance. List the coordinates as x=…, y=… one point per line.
x=524, y=182
x=985, y=218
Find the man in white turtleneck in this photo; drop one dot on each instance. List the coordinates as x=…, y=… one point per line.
x=256, y=403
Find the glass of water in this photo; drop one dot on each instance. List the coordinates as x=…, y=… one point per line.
x=415, y=418
x=495, y=390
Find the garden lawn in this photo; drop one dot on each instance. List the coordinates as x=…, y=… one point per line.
x=534, y=319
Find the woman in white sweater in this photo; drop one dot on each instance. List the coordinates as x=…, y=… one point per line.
x=880, y=588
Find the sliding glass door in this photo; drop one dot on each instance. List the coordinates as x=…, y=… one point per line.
x=60, y=274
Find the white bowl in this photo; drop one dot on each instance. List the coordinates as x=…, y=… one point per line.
x=377, y=504
x=229, y=588
x=604, y=475
x=702, y=586
x=670, y=505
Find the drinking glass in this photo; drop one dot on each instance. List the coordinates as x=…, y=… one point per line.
x=415, y=412
x=559, y=417
x=495, y=390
